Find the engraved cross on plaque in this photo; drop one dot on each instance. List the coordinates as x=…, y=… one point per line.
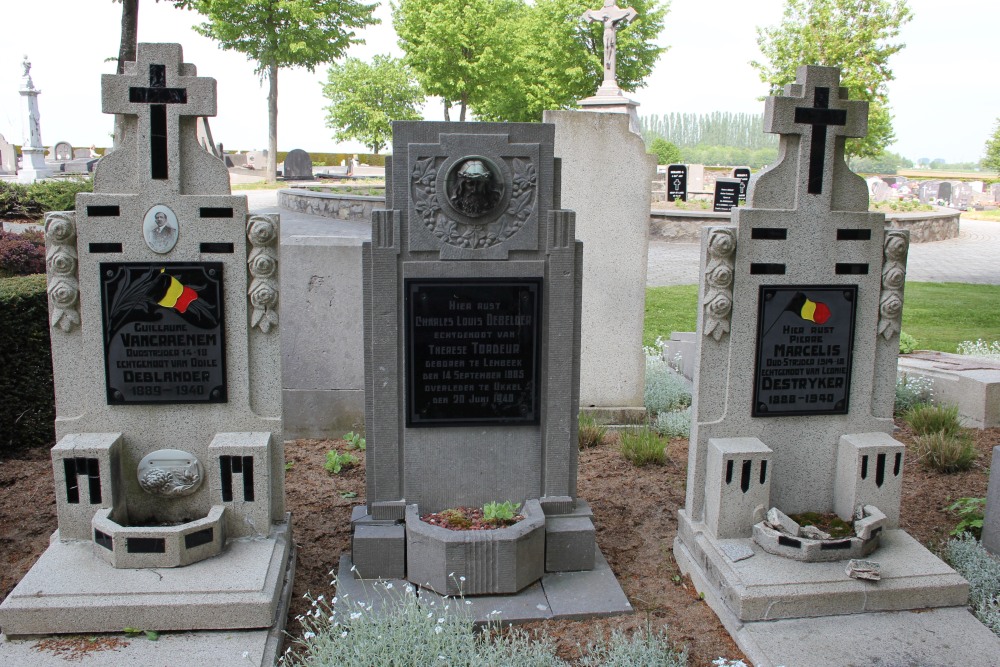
x=820, y=108
x=159, y=93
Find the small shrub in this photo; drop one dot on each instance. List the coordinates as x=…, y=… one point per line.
x=647, y=648
x=335, y=462
x=642, y=447
x=500, y=513
x=665, y=389
x=590, y=433
x=21, y=254
x=675, y=424
x=945, y=453
x=971, y=513
x=407, y=630
x=980, y=348
x=355, y=441
x=911, y=391
x=926, y=419
x=907, y=343
x=982, y=571
x=59, y=194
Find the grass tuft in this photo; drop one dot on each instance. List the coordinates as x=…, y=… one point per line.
x=945, y=453
x=642, y=447
x=926, y=419
x=590, y=433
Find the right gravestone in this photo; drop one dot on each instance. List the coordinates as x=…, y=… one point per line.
x=800, y=309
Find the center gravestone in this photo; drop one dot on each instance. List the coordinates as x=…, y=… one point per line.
x=168, y=466
x=472, y=302
x=801, y=304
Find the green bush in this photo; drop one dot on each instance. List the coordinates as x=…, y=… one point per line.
x=971, y=512
x=665, y=151
x=642, y=447
x=907, y=343
x=33, y=201
x=589, y=432
x=945, y=453
x=335, y=462
x=926, y=419
x=646, y=648
x=27, y=412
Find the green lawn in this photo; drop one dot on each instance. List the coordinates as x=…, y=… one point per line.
x=993, y=215
x=938, y=315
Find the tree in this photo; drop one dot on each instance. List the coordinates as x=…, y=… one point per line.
x=459, y=50
x=665, y=152
x=559, y=58
x=992, y=159
x=853, y=35
x=283, y=33
x=365, y=99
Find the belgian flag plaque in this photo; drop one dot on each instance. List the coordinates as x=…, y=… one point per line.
x=804, y=340
x=164, y=335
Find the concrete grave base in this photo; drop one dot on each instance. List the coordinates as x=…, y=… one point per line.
x=566, y=595
x=767, y=587
x=971, y=383
x=948, y=636
x=69, y=591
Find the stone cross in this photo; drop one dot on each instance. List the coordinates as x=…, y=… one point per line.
x=826, y=115
x=159, y=93
x=613, y=18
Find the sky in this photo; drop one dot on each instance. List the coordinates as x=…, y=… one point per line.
x=945, y=97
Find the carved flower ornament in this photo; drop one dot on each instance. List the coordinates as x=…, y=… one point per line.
x=62, y=260
x=59, y=230
x=261, y=232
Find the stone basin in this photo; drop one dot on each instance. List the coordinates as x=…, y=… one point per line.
x=158, y=546
x=797, y=547
x=476, y=562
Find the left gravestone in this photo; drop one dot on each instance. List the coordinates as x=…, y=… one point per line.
x=162, y=300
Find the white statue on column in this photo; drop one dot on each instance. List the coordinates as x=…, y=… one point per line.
x=33, y=167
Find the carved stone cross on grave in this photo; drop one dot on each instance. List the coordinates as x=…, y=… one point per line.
x=159, y=93
x=820, y=109
x=613, y=18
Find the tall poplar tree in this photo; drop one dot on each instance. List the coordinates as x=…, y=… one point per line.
x=854, y=35
x=283, y=33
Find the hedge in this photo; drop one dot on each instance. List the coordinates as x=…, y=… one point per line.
x=334, y=159
x=27, y=409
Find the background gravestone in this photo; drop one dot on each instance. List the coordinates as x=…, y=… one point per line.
x=798, y=332
x=298, y=166
x=62, y=152
x=162, y=301
x=472, y=296
x=677, y=178
x=743, y=174
x=8, y=157
x=727, y=194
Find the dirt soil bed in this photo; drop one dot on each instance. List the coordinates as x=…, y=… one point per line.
x=635, y=512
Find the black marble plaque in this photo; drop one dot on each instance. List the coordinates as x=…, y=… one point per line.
x=164, y=334
x=805, y=335
x=727, y=195
x=743, y=174
x=677, y=182
x=472, y=351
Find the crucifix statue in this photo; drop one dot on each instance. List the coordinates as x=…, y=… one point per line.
x=613, y=18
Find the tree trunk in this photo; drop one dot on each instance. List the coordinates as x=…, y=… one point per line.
x=447, y=110
x=461, y=115
x=272, y=123
x=126, y=48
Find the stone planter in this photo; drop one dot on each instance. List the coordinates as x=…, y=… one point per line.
x=476, y=562
x=865, y=541
x=158, y=546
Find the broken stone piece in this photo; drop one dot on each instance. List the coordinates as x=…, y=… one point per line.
x=736, y=551
x=873, y=521
x=813, y=533
x=859, y=512
x=864, y=569
x=781, y=522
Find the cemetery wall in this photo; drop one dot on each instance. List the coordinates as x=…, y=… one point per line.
x=27, y=411
x=330, y=204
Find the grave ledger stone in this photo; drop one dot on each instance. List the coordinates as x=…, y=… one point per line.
x=472, y=301
x=800, y=309
x=162, y=301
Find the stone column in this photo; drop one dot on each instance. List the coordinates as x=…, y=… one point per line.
x=33, y=166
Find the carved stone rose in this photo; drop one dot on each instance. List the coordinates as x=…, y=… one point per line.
x=891, y=306
x=63, y=293
x=720, y=306
x=62, y=261
x=59, y=230
x=261, y=232
x=895, y=247
x=721, y=276
x=722, y=243
x=263, y=296
x=893, y=277
x=263, y=265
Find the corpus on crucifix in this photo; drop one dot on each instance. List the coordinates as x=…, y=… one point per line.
x=613, y=18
